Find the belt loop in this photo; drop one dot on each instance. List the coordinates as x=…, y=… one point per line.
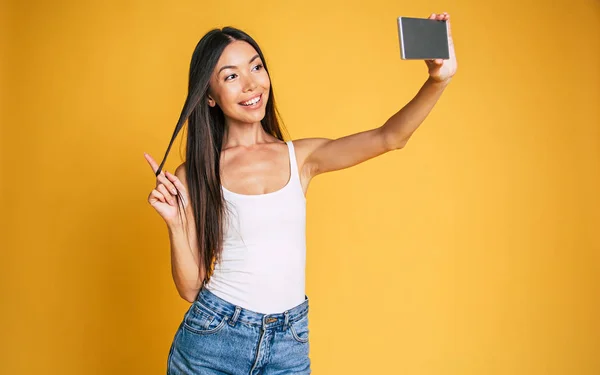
x=235, y=316
x=286, y=314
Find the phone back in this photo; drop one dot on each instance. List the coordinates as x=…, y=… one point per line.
x=423, y=39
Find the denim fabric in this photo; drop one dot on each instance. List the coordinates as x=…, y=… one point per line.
x=218, y=337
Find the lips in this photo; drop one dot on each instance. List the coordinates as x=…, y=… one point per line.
x=252, y=101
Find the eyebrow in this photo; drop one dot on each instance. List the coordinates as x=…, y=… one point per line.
x=235, y=67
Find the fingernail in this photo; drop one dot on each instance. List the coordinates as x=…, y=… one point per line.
x=174, y=191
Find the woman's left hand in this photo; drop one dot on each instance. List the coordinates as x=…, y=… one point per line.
x=441, y=70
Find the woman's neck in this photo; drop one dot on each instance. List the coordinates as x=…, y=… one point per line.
x=246, y=135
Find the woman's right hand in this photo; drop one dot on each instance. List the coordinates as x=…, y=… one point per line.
x=164, y=196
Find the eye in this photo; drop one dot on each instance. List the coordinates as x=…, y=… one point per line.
x=231, y=75
x=259, y=66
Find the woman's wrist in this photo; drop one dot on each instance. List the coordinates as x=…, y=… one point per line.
x=174, y=225
x=441, y=83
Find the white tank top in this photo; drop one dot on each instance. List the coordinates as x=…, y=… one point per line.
x=264, y=248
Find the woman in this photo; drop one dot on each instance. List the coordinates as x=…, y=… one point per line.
x=235, y=209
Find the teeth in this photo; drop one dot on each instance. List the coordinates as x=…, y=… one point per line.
x=253, y=101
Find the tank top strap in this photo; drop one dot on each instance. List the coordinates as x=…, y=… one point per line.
x=293, y=162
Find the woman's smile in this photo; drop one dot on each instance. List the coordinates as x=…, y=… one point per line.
x=253, y=103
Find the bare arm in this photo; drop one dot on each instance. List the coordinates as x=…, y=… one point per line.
x=185, y=263
x=324, y=155
x=185, y=268
x=327, y=155
x=400, y=127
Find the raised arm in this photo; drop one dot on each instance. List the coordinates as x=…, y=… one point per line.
x=185, y=264
x=325, y=155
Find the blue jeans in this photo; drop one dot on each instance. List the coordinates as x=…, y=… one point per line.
x=218, y=337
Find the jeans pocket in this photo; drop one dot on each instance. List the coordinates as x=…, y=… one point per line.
x=201, y=320
x=299, y=330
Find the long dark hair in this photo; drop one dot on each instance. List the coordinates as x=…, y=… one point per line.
x=206, y=129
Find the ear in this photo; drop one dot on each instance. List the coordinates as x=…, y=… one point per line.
x=211, y=101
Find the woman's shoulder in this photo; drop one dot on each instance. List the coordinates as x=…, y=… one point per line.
x=310, y=142
x=305, y=146
x=180, y=174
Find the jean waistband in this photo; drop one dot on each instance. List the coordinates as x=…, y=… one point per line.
x=237, y=313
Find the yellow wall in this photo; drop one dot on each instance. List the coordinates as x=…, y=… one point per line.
x=472, y=251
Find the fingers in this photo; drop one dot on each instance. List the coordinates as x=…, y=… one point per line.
x=161, y=194
x=156, y=196
x=175, y=180
x=177, y=183
x=434, y=62
x=440, y=17
x=168, y=197
x=162, y=178
x=153, y=164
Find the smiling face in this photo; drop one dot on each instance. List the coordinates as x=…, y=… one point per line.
x=240, y=84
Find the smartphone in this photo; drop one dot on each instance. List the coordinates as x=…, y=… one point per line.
x=423, y=39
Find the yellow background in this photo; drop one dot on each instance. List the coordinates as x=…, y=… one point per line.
x=474, y=250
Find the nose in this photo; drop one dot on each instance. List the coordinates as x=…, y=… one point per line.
x=249, y=83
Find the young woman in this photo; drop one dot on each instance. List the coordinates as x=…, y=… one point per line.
x=235, y=209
